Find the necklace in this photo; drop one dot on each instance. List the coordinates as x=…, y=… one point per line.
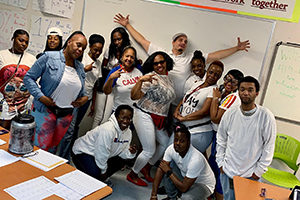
x=249, y=112
x=127, y=72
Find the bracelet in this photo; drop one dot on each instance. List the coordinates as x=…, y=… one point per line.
x=216, y=98
x=153, y=197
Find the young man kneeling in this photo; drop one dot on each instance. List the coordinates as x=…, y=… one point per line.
x=184, y=170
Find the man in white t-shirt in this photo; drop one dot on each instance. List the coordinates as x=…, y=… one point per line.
x=184, y=170
x=245, y=138
x=181, y=70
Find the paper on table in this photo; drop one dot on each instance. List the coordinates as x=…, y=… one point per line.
x=43, y=160
x=6, y=158
x=2, y=142
x=65, y=192
x=80, y=182
x=34, y=189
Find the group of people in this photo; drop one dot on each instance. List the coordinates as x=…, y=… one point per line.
x=170, y=100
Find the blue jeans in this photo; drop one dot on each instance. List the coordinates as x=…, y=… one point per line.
x=202, y=140
x=213, y=164
x=228, y=187
x=72, y=133
x=197, y=191
x=87, y=164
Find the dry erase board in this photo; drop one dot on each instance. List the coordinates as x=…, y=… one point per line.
x=207, y=31
x=282, y=94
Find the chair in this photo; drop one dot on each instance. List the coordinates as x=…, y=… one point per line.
x=287, y=150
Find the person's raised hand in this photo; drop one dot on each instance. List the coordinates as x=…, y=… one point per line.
x=120, y=19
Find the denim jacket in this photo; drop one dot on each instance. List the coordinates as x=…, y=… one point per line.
x=49, y=68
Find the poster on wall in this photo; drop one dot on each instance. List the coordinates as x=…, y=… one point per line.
x=39, y=29
x=55, y=7
x=9, y=22
x=17, y=3
x=285, y=10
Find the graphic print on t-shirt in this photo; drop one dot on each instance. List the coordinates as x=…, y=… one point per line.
x=15, y=92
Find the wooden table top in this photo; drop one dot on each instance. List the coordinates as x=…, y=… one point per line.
x=246, y=189
x=19, y=172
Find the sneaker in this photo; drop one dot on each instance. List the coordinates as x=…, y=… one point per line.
x=109, y=183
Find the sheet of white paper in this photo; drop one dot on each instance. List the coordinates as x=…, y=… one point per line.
x=39, y=30
x=80, y=182
x=34, y=189
x=65, y=192
x=2, y=142
x=9, y=22
x=16, y=3
x=44, y=160
x=55, y=7
x=6, y=158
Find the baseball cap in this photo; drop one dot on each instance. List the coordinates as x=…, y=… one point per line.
x=177, y=35
x=54, y=31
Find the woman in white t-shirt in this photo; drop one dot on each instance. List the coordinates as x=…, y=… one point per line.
x=54, y=40
x=198, y=69
x=154, y=92
x=92, y=68
x=61, y=88
x=122, y=78
x=229, y=98
x=14, y=64
x=119, y=39
x=193, y=110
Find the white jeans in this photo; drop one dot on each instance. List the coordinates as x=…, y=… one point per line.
x=148, y=135
x=103, y=108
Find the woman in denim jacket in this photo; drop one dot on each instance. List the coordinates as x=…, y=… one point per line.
x=61, y=79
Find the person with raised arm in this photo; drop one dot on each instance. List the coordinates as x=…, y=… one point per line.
x=181, y=70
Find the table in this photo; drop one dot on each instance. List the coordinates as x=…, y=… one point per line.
x=19, y=172
x=246, y=189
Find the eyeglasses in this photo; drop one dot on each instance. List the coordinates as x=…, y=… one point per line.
x=228, y=79
x=159, y=62
x=11, y=88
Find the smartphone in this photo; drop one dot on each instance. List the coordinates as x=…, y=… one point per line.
x=3, y=131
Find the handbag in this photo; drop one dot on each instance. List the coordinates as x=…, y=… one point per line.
x=60, y=112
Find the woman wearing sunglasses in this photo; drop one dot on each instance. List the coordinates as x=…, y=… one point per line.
x=154, y=92
x=223, y=99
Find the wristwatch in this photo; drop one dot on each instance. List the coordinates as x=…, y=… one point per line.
x=169, y=172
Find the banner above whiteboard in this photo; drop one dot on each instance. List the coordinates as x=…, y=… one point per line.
x=284, y=10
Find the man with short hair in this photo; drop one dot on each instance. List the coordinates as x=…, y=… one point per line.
x=189, y=172
x=245, y=138
x=182, y=61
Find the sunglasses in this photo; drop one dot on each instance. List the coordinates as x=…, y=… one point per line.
x=228, y=79
x=159, y=62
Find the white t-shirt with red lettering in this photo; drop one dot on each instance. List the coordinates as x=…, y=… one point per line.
x=122, y=86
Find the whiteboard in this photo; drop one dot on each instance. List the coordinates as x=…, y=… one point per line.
x=207, y=31
x=282, y=95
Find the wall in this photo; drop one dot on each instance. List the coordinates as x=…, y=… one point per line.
x=76, y=20
x=286, y=32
